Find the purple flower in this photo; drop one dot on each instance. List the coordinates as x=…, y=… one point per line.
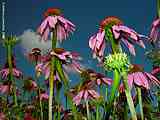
x=84, y=92
x=112, y=26
x=140, y=78
x=154, y=33
x=69, y=61
x=55, y=21
x=5, y=71
x=99, y=78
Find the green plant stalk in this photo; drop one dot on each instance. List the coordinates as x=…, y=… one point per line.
x=140, y=102
x=9, y=52
x=125, y=113
x=114, y=86
x=40, y=103
x=158, y=8
x=51, y=94
x=73, y=108
x=88, y=113
x=39, y=92
x=52, y=69
x=97, y=112
x=58, y=100
x=128, y=96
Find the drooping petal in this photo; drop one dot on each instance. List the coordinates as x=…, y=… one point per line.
x=85, y=95
x=152, y=78
x=61, y=33
x=77, y=98
x=52, y=20
x=107, y=81
x=42, y=27
x=130, y=47
x=120, y=28
x=93, y=94
x=45, y=34
x=155, y=71
x=130, y=80
x=141, y=80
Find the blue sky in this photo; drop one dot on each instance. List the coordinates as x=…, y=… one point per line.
x=23, y=15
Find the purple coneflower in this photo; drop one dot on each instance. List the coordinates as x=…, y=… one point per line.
x=113, y=30
x=55, y=20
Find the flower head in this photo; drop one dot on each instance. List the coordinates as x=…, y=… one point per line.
x=84, y=92
x=117, y=61
x=113, y=30
x=5, y=71
x=68, y=59
x=54, y=20
x=35, y=55
x=98, y=78
x=30, y=84
x=52, y=12
x=142, y=79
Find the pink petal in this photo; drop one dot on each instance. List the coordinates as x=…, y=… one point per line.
x=98, y=81
x=141, y=80
x=45, y=34
x=52, y=20
x=77, y=98
x=94, y=94
x=120, y=28
x=61, y=33
x=107, y=81
x=92, y=42
x=85, y=95
x=43, y=26
x=130, y=47
x=130, y=80
x=155, y=71
x=100, y=38
x=153, y=79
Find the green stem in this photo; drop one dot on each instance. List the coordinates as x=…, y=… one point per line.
x=88, y=113
x=140, y=102
x=128, y=95
x=51, y=94
x=97, y=112
x=158, y=8
x=114, y=86
x=58, y=101
x=54, y=42
x=40, y=103
x=125, y=113
x=9, y=52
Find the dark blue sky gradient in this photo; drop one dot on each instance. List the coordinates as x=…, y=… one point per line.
x=86, y=15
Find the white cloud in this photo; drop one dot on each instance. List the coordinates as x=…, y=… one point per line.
x=30, y=39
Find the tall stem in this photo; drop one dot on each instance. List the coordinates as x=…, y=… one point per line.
x=128, y=96
x=51, y=94
x=58, y=100
x=40, y=103
x=113, y=92
x=9, y=55
x=140, y=103
x=52, y=69
x=97, y=112
x=88, y=113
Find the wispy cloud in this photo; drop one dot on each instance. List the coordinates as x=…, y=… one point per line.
x=30, y=39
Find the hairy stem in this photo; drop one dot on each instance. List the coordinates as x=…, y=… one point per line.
x=88, y=113
x=128, y=96
x=140, y=103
